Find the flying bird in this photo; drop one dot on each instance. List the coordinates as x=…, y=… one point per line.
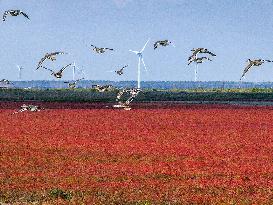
x=198, y=60
x=162, y=43
x=120, y=71
x=31, y=108
x=196, y=51
x=256, y=62
x=100, y=50
x=133, y=93
x=49, y=56
x=102, y=88
x=58, y=74
x=14, y=13
x=73, y=84
x=7, y=82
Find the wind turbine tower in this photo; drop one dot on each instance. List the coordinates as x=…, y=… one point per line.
x=140, y=58
x=195, y=70
x=73, y=70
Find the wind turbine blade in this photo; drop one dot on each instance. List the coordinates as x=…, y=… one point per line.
x=19, y=67
x=136, y=52
x=145, y=46
x=82, y=71
x=144, y=64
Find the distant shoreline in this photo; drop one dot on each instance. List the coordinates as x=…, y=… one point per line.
x=166, y=85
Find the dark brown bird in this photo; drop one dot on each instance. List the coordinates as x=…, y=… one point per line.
x=120, y=71
x=102, y=88
x=58, y=74
x=201, y=50
x=73, y=84
x=14, y=13
x=100, y=50
x=49, y=56
x=162, y=43
x=256, y=62
x=198, y=60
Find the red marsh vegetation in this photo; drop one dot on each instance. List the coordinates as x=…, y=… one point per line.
x=179, y=155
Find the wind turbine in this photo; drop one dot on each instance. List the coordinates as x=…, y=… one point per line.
x=74, y=67
x=140, y=58
x=19, y=71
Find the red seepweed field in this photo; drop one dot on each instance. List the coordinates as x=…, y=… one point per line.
x=152, y=154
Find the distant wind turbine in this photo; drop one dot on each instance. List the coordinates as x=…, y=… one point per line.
x=74, y=67
x=140, y=58
x=20, y=68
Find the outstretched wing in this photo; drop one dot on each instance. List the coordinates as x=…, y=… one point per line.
x=156, y=44
x=57, y=53
x=24, y=14
x=123, y=67
x=78, y=80
x=208, y=52
x=47, y=69
x=192, y=57
x=195, y=51
x=190, y=60
x=63, y=68
x=41, y=62
x=269, y=61
x=246, y=69
x=5, y=15
x=110, y=49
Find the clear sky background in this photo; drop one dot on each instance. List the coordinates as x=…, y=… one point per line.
x=234, y=30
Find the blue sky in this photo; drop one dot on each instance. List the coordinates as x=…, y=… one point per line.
x=234, y=30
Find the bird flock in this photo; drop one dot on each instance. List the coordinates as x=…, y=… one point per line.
x=100, y=50
x=198, y=56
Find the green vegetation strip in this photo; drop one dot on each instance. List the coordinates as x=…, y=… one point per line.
x=91, y=95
